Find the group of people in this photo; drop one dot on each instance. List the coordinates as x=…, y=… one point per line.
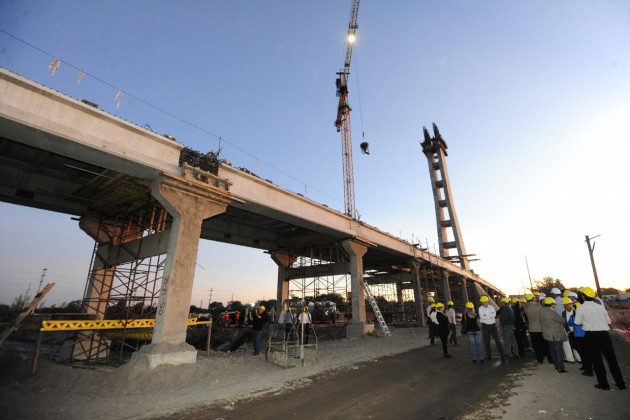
x=442, y=324
x=572, y=326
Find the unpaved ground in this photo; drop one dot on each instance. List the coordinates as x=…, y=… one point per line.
x=62, y=392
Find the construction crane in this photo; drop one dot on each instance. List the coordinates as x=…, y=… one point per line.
x=343, y=116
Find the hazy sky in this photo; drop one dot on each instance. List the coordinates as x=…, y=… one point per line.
x=532, y=97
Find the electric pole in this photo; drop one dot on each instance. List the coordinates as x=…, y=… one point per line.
x=590, y=252
x=531, y=286
x=41, y=281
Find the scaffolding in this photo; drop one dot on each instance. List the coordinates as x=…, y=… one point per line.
x=325, y=283
x=124, y=279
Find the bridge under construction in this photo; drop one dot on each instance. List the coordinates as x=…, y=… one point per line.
x=147, y=201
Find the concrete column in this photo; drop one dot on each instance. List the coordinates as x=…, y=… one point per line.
x=465, y=289
x=421, y=315
x=189, y=205
x=284, y=261
x=102, y=276
x=399, y=298
x=447, y=287
x=356, y=251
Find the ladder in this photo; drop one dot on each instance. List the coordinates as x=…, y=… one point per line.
x=6, y=333
x=377, y=311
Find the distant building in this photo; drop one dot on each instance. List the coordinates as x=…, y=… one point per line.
x=617, y=297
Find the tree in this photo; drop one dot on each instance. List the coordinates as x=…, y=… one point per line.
x=547, y=283
x=332, y=297
x=610, y=291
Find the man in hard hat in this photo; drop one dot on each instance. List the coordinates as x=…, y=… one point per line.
x=507, y=320
x=553, y=331
x=258, y=319
x=442, y=327
x=520, y=327
x=304, y=320
x=532, y=312
x=580, y=344
x=569, y=347
x=556, y=295
x=452, y=323
x=595, y=322
x=433, y=323
x=429, y=323
x=487, y=316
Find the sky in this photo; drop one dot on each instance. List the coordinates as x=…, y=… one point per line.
x=532, y=98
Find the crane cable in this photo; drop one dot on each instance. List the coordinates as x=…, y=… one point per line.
x=356, y=70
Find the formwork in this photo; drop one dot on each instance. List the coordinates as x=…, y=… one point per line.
x=124, y=282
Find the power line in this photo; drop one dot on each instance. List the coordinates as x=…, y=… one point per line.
x=195, y=126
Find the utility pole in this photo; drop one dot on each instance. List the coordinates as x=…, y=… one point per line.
x=590, y=252
x=41, y=280
x=531, y=286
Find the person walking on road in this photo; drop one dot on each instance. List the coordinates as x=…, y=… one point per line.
x=553, y=330
x=596, y=323
x=487, y=316
x=443, y=328
x=452, y=323
x=471, y=320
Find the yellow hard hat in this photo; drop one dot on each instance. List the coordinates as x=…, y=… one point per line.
x=483, y=299
x=449, y=303
x=470, y=305
x=529, y=297
x=505, y=299
x=432, y=305
x=566, y=293
x=589, y=292
x=439, y=305
x=431, y=299
x=549, y=301
x=536, y=294
x=515, y=300
x=262, y=308
x=525, y=301
x=566, y=300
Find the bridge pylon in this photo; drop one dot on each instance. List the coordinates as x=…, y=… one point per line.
x=448, y=230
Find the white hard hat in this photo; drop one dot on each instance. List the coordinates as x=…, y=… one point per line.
x=555, y=291
x=542, y=296
x=572, y=294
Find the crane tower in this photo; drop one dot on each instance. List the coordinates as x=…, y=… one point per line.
x=343, y=116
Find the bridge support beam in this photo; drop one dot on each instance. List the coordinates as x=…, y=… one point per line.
x=417, y=291
x=447, y=287
x=284, y=261
x=358, y=327
x=189, y=206
x=465, y=289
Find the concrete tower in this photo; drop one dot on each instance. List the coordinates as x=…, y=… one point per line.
x=434, y=149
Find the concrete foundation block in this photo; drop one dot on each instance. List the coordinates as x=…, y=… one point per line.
x=358, y=330
x=154, y=355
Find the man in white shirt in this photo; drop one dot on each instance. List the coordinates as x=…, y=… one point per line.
x=487, y=316
x=595, y=322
